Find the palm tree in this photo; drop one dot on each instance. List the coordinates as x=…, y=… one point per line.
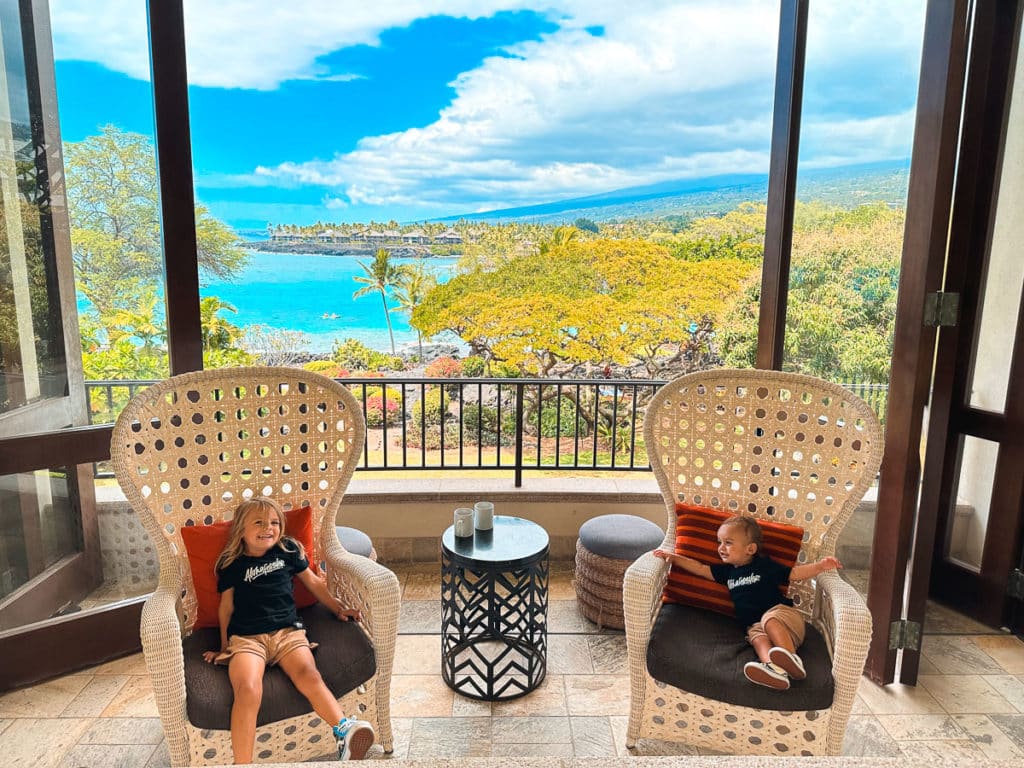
x=561, y=237
x=218, y=333
x=415, y=285
x=142, y=322
x=381, y=275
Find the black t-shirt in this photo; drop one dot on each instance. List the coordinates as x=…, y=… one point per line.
x=754, y=587
x=263, y=599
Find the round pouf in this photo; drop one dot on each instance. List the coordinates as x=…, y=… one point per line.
x=356, y=542
x=607, y=546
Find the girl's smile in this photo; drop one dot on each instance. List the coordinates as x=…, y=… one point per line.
x=261, y=532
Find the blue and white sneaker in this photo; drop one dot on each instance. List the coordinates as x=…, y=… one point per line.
x=355, y=737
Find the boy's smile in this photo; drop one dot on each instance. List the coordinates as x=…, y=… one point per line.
x=261, y=532
x=734, y=547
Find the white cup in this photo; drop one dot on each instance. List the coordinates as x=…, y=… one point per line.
x=484, y=515
x=463, y=522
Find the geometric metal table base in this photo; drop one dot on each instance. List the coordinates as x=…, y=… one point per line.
x=493, y=620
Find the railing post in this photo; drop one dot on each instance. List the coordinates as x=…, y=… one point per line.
x=520, y=397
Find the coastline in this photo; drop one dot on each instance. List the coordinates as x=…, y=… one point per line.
x=303, y=248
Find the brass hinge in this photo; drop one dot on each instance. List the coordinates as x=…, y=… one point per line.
x=905, y=634
x=1015, y=584
x=941, y=309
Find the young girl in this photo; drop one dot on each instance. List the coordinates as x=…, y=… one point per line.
x=259, y=626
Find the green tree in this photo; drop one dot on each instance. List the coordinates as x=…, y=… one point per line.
x=115, y=224
x=381, y=276
x=416, y=282
x=218, y=333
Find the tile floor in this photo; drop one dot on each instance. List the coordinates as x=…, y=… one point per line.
x=969, y=702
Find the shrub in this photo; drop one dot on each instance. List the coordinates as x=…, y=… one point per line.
x=549, y=424
x=444, y=368
x=431, y=402
x=473, y=367
x=432, y=441
x=375, y=411
x=353, y=354
x=505, y=371
x=486, y=418
x=327, y=368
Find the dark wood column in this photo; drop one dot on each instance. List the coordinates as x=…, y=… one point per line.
x=778, y=235
x=177, y=198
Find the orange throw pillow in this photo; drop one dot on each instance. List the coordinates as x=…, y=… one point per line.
x=204, y=543
x=697, y=537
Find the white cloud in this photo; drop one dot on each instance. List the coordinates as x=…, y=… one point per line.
x=670, y=90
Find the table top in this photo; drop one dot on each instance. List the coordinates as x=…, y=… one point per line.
x=513, y=541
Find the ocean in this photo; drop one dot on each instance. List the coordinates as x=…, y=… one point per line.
x=312, y=293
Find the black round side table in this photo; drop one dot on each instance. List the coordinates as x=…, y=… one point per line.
x=494, y=605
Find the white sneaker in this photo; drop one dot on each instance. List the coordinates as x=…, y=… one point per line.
x=766, y=675
x=788, y=661
x=355, y=737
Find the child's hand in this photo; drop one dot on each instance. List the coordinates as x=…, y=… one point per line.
x=212, y=656
x=829, y=563
x=663, y=554
x=346, y=614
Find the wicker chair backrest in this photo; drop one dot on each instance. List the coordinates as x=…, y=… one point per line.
x=772, y=445
x=188, y=450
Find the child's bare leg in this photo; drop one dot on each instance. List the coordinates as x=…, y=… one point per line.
x=301, y=670
x=761, y=645
x=778, y=635
x=245, y=670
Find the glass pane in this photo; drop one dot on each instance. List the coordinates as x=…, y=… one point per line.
x=105, y=102
x=33, y=365
x=973, y=494
x=856, y=137
x=38, y=525
x=1003, y=283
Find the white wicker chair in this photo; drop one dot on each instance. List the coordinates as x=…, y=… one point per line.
x=777, y=446
x=186, y=451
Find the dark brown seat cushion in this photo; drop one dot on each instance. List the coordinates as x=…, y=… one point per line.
x=345, y=659
x=703, y=652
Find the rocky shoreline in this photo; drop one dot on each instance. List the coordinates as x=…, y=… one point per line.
x=399, y=250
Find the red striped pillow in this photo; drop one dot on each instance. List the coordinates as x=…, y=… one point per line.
x=697, y=537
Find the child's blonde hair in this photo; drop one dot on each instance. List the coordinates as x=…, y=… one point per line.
x=235, y=546
x=750, y=527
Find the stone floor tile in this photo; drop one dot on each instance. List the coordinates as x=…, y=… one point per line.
x=859, y=707
x=560, y=586
x=592, y=737
x=40, y=742
x=134, y=699
x=965, y=694
x=988, y=737
x=530, y=730
x=161, y=757
x=569, y=655
x=420, y=696
x=420, y=617
x=418, y=655
x=45, y=699
x=401, y=733
x=609, y=654
x=422, y=586
x=940, y=620
x=1012, y=726
x=865, y=737
x=532, y=750
x=108, y=756
x=95, y=697
x=465, y=707
x=135, y=664
x=921, y=727
x=1010, y=687
x=5, y=724
x=124, y=730
x=925, y=752
x=547, y=700
x=1007, y=650
x=897, y=699
x=564, y=617
x=596, y=695
x=450, y=737
x=957, y=655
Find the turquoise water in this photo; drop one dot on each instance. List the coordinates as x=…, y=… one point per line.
x=294, y=291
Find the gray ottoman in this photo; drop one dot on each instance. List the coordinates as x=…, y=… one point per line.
x=607, y=546
x=356, y=542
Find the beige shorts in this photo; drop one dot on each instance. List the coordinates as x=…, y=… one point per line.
x=270, y=646
x=788, y=616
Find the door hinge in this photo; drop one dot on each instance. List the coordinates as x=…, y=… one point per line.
x=905, y=634
x=1015, y=584
x=941, y=309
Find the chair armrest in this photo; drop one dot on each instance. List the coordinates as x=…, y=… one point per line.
x=641, y=599
x=846, y=624
x=364, y=584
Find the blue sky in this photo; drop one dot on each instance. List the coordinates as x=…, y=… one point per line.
x=407, y=110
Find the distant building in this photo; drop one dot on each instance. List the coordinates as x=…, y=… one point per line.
x=448, y=237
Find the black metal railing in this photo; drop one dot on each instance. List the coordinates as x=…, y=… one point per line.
x=574, y=425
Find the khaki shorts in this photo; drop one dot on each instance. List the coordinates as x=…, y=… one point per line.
x=270, y=646
x=790, y=618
